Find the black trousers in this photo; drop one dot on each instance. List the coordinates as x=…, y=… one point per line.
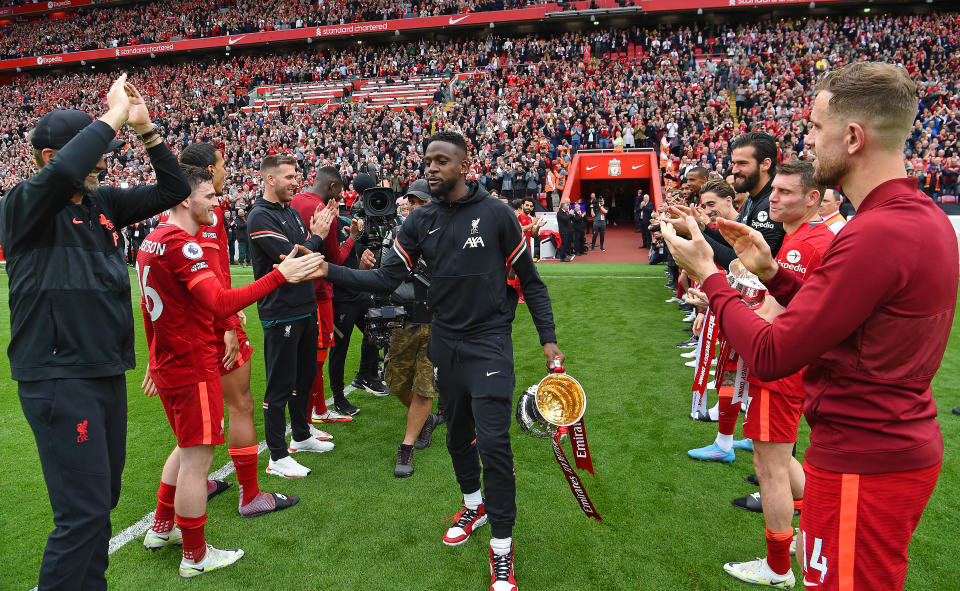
x=475, y=381
x=566, y=245
x=81, y=430
x=290, y=355
x=579, y=241
x=601, y=231
x=346, y=315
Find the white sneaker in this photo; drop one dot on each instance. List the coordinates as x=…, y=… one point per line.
x=711, y=385
x=714, y=411
x=793, y=543
x=759, y=573
x=691, y=354
x=691, y=363
x=287, y=467
x=331, y=416
x=309, y=444
x=154, y=540
x=690, y=317
x=321, y=435
x=212, y=560
x=672, y=300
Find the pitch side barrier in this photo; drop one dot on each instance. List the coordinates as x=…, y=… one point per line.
x=378, y=28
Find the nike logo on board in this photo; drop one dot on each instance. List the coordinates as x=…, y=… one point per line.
x=231, y=40
x=592, y=167
x=454, y=21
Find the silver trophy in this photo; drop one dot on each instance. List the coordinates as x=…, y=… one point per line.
x=751, y=289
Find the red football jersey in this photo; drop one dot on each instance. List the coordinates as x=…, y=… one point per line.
x=799, y=254
x=181, y=297
x=183, y=348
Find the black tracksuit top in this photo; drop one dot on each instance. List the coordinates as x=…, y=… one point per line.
x=274, y=229
x=70, y=314
x=467, y=245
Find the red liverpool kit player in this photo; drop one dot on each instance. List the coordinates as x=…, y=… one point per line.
x=234, y=352
x=871, y=331
x=773, y=408
x=181, y=297
x=326, y=190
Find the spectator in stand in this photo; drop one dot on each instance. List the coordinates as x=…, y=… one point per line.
x=830, y=210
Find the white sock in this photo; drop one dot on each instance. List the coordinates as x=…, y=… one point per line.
x=724, y=442
x=473, y=500
x=501, y=545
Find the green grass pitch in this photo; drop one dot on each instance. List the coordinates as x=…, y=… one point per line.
x=668, y=522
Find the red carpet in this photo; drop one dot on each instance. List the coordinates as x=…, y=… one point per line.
x=621, y=244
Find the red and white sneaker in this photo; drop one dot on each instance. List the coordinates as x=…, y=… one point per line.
x=501, y=571
x=464, y=522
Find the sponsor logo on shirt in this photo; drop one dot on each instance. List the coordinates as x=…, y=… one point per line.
x=762, y=216
x=209, y=235
x=793, y=256
x=198, y=266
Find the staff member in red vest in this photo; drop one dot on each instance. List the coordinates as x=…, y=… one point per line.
x=871, y=329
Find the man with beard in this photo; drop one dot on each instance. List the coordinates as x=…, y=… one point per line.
x=871, y=331
x=288, y=316
x=465, y=236
x=70, y=319
x=754, y=158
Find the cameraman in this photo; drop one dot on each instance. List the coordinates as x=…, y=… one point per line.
x=408, y=371
x=349, y=309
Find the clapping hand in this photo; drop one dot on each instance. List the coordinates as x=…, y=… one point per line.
x=752, y=250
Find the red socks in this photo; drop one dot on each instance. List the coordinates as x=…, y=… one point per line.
x=245, y=462
x=728, y=410
x=778, y=550
x=317, y=403
x=194, y=544
x=163, y=518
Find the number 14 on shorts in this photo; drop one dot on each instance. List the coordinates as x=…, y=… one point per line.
x=817, y=561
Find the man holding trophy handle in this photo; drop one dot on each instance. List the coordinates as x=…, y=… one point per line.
x=468, y=240
x=871, y=330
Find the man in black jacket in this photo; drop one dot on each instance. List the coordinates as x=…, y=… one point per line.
x=243, y=238
x=565, y=228
x=465, y=236
x=288, y=316
x=71, y=323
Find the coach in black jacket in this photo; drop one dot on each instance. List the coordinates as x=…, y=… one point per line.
x=467, y=238
x=71, y=323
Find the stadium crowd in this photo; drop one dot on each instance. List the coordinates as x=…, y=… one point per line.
x=169, y=20
x=533, y=101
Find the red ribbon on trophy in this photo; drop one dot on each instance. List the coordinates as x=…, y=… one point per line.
x=705, y=354
x=561, y=401
x=581, y=453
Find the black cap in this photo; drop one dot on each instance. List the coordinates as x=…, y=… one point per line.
x=58, y=127
x=420, y=189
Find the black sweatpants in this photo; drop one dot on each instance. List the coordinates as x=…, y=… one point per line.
x=346, y=315
x=475, y=381
x=290, y=355
x=81, y=430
